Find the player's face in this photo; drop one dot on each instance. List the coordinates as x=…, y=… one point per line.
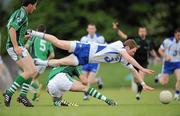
x=91, y=29
x=131, y=52
x=142, y=32
x=177, y=35
x=32, y=7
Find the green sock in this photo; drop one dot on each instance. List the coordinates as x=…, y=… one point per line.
x=94, y=93
x=36, y=87
x=34, y=96
x=16, y=84
x=25, y=87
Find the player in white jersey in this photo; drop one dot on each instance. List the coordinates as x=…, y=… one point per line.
x=83, y=53
x=170, y=51
x=90, y=70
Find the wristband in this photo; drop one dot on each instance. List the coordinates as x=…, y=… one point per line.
x=38, y=34
x=143, y=83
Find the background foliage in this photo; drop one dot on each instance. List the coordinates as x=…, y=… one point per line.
x=67, y=19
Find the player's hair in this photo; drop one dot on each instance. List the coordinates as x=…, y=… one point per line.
x=27, y=2
x=177, y=30
x=41, y=28
x=92, y=24
x=130, y=43
x=142, y=26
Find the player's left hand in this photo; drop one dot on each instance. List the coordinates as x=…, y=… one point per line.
x=148, y=71
x=147, y=88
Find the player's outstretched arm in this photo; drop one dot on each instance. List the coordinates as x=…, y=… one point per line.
x=139, y=79
x=132, y=61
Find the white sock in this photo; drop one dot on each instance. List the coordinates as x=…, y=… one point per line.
x=42, y=62
x=38, y=34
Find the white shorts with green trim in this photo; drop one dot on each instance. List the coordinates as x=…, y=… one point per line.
x=40, y=69
x=13, y=54
x=59, y=84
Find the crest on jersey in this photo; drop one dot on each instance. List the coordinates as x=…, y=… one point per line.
x=19, y=19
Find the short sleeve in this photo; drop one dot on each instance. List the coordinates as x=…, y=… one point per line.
x=118, y=46
x=78, y=71
x=164, y=44
x=17, y=21
x=101, y=40
x=83, y=39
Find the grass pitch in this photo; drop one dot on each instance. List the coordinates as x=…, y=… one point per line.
x=116, y=86
x=149, y=105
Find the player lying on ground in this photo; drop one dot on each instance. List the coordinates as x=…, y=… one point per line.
x=84, y=53
x=60, y=80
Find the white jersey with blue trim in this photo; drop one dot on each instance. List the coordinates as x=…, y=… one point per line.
x=110, y=53
x=172, y=48
x=95, y=38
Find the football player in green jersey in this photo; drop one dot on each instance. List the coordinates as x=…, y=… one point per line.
x=17, y=27
x=39, y=49
x=61, y=80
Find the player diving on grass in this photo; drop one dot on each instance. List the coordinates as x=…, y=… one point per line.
x=84, y=53
x=61, y=79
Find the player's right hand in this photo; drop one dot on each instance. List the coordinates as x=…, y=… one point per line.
x=147, y=88
x=168, y=58
x=148, y=71
x=115, y=25
x=18, y=50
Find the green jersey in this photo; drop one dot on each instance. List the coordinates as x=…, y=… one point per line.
x=69, y=70
x=19, y=21
x=39, y=48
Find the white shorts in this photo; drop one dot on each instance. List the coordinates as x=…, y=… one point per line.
x=13, y=54
x=40, y=69
x=59, y=84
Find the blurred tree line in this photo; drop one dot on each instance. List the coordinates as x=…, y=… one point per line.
x=67, y=19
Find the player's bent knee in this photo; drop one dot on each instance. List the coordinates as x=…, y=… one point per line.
x=164, y=82
x=30, y=72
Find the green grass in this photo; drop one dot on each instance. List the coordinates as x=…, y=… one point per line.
x=127, y=105
x=117, y=87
